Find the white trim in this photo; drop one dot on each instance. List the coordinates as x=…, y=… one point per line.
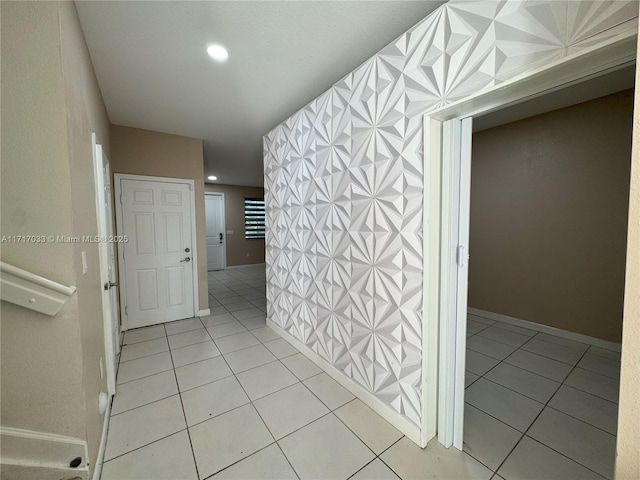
x=615, y=53
x=204, y=313
x=118, y=177
x=97, y=471
x=411, y=430
x=538, y=327
x=224, y=228
x=247, y=265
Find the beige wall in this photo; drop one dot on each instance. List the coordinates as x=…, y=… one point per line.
x=86, y=113
x=240, y=251
x=50, y=105
x=628, y=446
x=143, y=152
x=549, y=201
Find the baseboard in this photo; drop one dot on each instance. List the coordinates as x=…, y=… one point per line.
x=234, y=267
x=31, y=454
x=409, y=429
x=204, y=313
x=97, y=471
x=577, y=337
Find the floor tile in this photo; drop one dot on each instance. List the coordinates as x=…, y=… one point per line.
x=266, y=464
x=143, y=334
x=506, y=405
x=215, y=311
x=371, y=428
x=587, y=445
x=218, y=319
x=143, y=367
x=522, y=381
x=469, y=378
x=248, y=358
x=501, y=335
x=188, y=338
x=167, y=459
x=485, y=438
x=586, y=407
x=478, y=363
x=562, y=341
x=194, y=353
x=226, y=329
x=140, y=426
x=229, y=299
x=143, y=349
x=242, y=305
x=254, y=322
x=543, y=366
x=330, y=392
x=603, y=352
x=247, y=313
x=301, y=366
x=289, y=409
x=409, y=461
x=602, y=365
x=532, y=460
x=200, y=373
x=514, y=328
x=474, y=327
x=266, y=379
x=595, y=384
x=554, y=351
x=225, y=439
x=376, y=470
x=325, y=449
x=265, y=334
x=490, y=348
x=484, y=321
x=237, y=341
x=212, y=399
x=182, y=326
x=280, y=348
x=143, y=391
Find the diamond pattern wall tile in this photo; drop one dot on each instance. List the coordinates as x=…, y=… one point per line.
x=344, y=180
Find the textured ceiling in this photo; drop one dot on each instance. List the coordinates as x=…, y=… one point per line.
x=154, y=73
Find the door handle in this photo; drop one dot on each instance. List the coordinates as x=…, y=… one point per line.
x=187, y=259
x=109, y=285
x=220, y=237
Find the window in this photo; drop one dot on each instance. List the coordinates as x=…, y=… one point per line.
x=253, y=218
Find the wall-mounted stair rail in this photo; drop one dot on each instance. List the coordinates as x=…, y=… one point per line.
x=32, y=291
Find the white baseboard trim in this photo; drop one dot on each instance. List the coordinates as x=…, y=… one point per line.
x=411, y=430
x=234, y=267
x=204, y=313
x=577, y=337
x=97, y=471
x=41, y=454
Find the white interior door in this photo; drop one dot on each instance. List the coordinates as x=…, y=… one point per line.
x=159, y=281
x=214, y=210
x=107, y=256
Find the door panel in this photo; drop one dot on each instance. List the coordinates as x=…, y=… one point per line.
x=157, y=258
x=214, y=211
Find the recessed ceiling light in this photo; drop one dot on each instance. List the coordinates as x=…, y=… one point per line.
x=218, y=52
x=212, y=177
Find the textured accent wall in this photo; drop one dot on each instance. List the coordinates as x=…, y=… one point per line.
x=344, y=180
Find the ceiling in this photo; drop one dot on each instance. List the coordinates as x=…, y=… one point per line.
x=152, y=67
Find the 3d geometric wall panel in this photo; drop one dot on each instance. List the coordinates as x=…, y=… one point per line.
x=344, y=180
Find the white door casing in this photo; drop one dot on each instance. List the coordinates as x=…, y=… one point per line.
x=158, y=276
x=107, y=258
x=215, y=224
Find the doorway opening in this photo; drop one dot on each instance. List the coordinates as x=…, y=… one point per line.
x=448, y=138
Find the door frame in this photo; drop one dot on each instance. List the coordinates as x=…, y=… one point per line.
x=224, y=227
x=447, y=156
x=118, y=177
x=109, y=316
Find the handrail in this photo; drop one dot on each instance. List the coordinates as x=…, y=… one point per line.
x=32, y=291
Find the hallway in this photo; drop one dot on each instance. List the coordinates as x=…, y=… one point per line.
x=224, y=396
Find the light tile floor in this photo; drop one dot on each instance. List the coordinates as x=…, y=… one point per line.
x=224, y=396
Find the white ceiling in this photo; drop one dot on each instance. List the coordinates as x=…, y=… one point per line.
x=154, y=72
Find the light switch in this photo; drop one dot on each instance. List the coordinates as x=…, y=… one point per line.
x=85, y=268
